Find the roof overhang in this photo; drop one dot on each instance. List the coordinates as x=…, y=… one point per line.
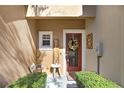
x=57, y=12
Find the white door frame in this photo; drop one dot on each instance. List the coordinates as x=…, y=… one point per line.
x=83, y=32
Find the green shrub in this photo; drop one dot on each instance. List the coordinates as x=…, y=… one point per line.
x=34, y=80
x=92, y=80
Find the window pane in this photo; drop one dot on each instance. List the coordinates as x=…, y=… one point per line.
x=46, y=42
x=46, y=37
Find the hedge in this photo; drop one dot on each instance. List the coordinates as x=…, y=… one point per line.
x=33, y=80
x=88, y=79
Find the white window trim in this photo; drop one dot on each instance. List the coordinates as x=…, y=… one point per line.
x=41, y=33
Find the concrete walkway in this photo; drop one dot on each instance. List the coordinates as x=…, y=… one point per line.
x=71, y=84
x=60, y=82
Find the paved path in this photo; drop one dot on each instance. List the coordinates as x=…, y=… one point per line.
x=60, y=82
x=71, y=84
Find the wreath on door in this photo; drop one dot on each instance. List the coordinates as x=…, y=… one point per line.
x=73, y=44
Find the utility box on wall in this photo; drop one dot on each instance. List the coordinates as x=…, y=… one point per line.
x=99, y=49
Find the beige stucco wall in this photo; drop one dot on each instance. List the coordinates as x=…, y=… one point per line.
x=122, y=45
x=57, y=26
x=12, y=12
x=89, y=10
x=34, y=33
x=17, y=47
x=107, y=28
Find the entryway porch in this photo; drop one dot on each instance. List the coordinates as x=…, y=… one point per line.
x=65, y=81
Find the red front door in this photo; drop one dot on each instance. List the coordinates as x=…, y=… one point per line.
x=74, y=51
